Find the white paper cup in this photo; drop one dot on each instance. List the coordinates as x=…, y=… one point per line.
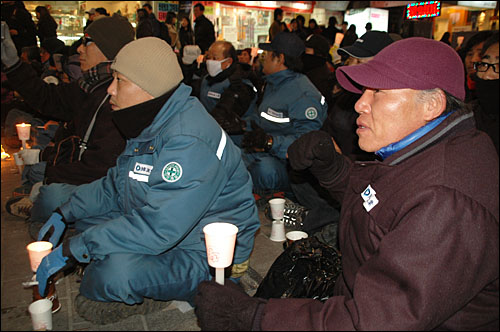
x=18, y=159
x=41, y=314
x=220, y=238
x=277, y=208
x=294, y=236
x=23, y=131
x=37, y=251
x=278, y=231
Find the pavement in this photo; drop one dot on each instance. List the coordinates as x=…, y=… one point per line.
x=176, y=316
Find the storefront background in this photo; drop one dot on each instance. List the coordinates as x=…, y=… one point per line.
x=246, y=23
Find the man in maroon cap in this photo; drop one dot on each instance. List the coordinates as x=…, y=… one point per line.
x=419, y=229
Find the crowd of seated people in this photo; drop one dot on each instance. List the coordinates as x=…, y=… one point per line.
x=232, y=129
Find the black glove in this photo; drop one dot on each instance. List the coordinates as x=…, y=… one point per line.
x=315, y=151
x=255, y=139
x=226, y=308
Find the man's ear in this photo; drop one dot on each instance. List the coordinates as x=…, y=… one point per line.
x=282, y=59
x=435, y=105
x=228, y=63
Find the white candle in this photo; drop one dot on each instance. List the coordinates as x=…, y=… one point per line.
x=220, y=239
x=37, y=251
x=23, y=131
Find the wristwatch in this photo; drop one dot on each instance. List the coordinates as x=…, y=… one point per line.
x=269, y=143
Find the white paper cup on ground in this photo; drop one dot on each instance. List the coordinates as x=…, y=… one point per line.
x=37, y=251
x=41, y=314
x=19, y=161
x=278, y=231
x=277, y=208
x=294, y=236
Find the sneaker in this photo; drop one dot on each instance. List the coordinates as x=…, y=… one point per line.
x=23, y=190
x=262, y=198
x=102, y=313
x=19, y=206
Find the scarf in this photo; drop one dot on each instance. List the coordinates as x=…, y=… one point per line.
x=131, y=121
x=96, y=76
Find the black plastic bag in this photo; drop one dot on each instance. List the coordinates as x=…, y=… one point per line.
x=306, y=269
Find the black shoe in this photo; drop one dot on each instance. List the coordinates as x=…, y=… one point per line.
x=102, y=313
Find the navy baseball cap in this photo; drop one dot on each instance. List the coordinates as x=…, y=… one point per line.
x=368, y=45
x=285, y=42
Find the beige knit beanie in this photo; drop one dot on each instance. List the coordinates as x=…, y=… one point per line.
x=151, y=64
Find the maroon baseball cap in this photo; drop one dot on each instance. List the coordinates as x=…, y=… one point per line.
x=412, y=63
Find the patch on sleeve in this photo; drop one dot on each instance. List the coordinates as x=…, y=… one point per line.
x=311, y=113
x=172, y=172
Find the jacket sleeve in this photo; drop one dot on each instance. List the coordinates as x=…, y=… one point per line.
x=57, y=101
x=304, y=120
x=440, y=256
x=234, y=103
x=171, y=209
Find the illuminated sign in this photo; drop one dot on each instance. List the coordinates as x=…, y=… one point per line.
x=423, y=9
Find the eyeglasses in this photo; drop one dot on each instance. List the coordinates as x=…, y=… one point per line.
x=86, y=41
x=484, y=66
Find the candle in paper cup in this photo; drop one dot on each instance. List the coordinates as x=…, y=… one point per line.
x=220, y=238
x=37, y=251
x=23, y=131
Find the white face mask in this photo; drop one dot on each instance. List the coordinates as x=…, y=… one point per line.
x=214, y=67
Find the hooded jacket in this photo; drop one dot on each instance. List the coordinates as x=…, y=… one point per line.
x=424, y=254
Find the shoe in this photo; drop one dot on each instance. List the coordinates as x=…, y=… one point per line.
x=19, y=206
x=23, y=190
x=294, y=215
x=262, y=198
x=102, y=313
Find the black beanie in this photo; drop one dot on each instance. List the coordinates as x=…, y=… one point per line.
x=110, y=34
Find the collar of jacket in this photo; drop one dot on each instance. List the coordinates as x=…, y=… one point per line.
x=222, y=76
x=281, y=76
x=173, y=105
x=131, y=121
x=429, y=135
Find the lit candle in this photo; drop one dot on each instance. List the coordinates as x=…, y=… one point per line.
x=23, y=131
x=37, y=251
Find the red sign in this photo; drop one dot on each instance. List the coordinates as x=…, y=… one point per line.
x=423, y=9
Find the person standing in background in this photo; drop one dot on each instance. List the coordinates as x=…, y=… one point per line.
x=170, y=22
x=21, y=26
x=46, y=26
x=204, y=34
x=276, y=25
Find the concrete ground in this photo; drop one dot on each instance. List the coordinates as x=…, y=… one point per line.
x=176, y=316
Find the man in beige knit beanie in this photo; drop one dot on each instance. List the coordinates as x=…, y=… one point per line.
x=141, y=226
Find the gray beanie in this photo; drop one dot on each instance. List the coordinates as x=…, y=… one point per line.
x=110, y=34
x=151, y=64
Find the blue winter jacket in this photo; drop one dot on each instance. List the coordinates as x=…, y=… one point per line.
x=291, y=106
x=210, y=95
x=180, y=174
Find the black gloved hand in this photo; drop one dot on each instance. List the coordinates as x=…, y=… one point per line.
x=315, y=151
x=225, y=308
x=255, y=139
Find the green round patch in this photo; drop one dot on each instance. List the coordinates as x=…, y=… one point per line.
x=171, y=172
x=311, y=113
